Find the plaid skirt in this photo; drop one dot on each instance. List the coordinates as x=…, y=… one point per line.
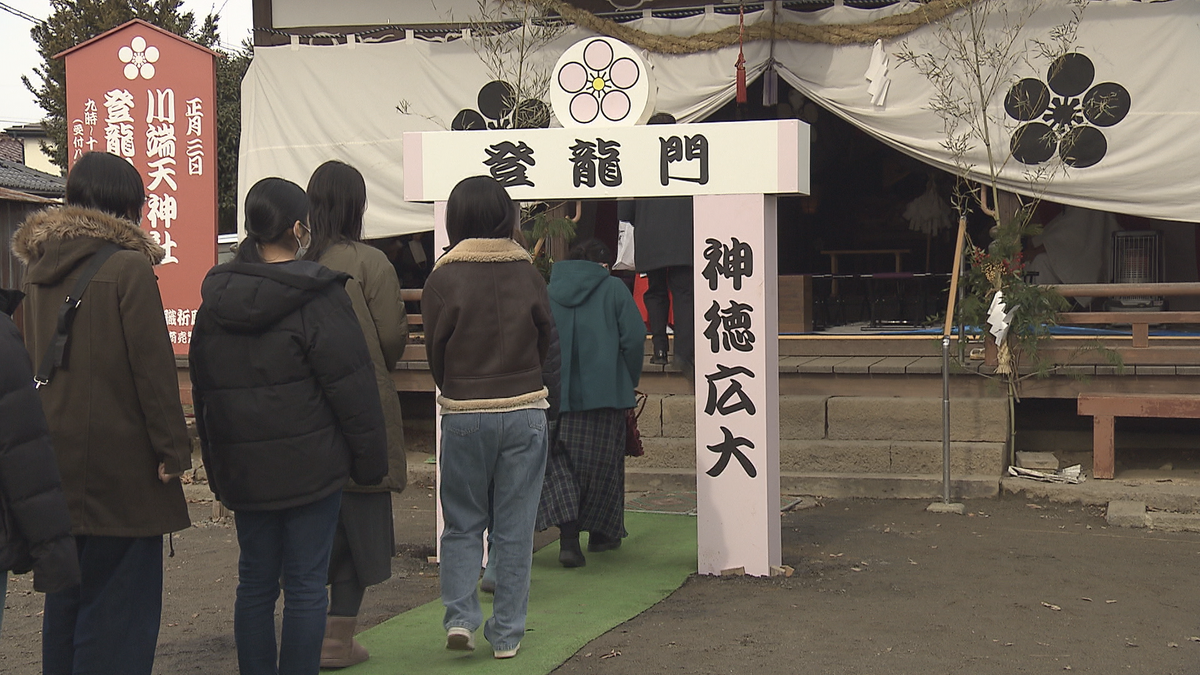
x=585, y=473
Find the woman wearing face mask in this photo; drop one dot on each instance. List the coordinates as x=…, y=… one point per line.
x=287, y=410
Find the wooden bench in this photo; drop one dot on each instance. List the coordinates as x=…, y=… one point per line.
x=1104, y=408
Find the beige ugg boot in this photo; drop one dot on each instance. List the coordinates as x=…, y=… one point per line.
x=339, y=649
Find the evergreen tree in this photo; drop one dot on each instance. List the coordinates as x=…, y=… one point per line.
x=231, y=68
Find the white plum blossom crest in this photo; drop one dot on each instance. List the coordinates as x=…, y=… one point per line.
x=139, y=58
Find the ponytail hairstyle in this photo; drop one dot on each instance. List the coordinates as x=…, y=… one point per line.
x=106, y=183
x=337, y=196
x=273, y=206
x=480, y=208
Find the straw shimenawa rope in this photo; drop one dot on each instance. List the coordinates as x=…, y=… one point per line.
x=833, y=34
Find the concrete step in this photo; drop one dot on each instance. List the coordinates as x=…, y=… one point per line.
x=834, y=485
x=1173, y=495
x=851, y=457
x=1126, y=513
x=1168, y=503
x=817, y=484
x=847, y=418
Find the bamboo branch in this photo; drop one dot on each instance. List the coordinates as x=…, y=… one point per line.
x=958, y=261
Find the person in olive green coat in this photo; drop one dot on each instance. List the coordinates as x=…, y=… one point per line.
x=114, y=414
x=364, y=543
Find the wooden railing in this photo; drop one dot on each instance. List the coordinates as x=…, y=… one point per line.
x=414, y=320
x=1139, y=322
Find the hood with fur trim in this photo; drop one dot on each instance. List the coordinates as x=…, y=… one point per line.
x=52, y=242
x=484, y=250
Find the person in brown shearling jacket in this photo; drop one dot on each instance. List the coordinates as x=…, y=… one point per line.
x=487, y=334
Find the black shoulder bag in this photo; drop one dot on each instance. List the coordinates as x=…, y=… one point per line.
x=56, y=352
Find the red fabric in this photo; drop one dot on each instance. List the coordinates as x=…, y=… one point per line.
x=740, y=65
x=640, y=284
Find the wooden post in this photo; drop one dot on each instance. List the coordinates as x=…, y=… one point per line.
x=737, y=385
x=954, y=274
x=1141, y=334
x=1104, y=461
x=795, y=303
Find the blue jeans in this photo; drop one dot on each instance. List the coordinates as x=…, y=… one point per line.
x=109, y=623
x=292, y=546
x=507, y=451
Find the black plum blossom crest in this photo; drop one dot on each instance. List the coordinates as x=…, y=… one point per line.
x=1064, y=116
x=499, y=109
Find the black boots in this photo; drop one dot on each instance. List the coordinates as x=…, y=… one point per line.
x=659, y=358
x=569, y=553
x=598, y=543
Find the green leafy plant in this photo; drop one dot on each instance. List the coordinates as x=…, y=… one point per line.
x=540, y=224
x=1001, y=267
x=231, y=68
x=972, y=60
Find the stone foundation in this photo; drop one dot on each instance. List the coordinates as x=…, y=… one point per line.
x=847, y=435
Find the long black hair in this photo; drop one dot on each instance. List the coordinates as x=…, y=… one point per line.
x=480, y=208
x=273, y=206
x=592, y=250
x=106, y=183
x=337, y=197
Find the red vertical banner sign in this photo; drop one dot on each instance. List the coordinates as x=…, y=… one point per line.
x=149, y=96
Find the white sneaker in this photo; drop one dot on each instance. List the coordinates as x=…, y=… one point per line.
x=460, y=639
x=506, y=653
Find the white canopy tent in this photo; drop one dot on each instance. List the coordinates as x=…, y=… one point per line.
x=304, y=104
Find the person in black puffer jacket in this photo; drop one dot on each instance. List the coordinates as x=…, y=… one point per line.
x=35, y=526
x=287, y=409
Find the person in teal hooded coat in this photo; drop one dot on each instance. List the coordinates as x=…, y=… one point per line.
x=602, y=338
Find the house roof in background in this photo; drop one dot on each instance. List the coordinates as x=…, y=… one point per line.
x=7, y=195
x=31, y=130
x=11, y=149
x=15, y=176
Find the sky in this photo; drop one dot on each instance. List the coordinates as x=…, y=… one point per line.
x=18, y=53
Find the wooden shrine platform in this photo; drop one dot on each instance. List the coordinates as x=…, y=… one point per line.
x=910, y=365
